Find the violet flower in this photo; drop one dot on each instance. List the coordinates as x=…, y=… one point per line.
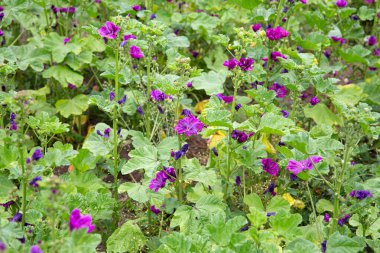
x=285, y=113
x=256, y=27
x=238, y=181
x=296, y=167
x=280, y=90
x=37, y=154
x=71, y=9
x=139, y=110
x=180, y=153
x=341, y=3
x=34, y=181
x=271, y=189
x=78, y=221
x=189, y=126
x=270, y=166
x=122, y=100
x=136, y=8
x=66, y=40
x=153, y=16
x=112, y=96
x=8, y=204
x=154, y=209
x=35, y=249
x=189, y=85
x=159, y=181
x=360, y=194
x=109, y=31
x=326, y=218
x=3, y=247
x=240, y=136
x=237, y=107
x=372, y=41
x=135, y=52
x=274, y=55
x=215, y=151
x=276, y=33
x=338, y=39
x=245, y=64
x=303, y=1
x=344, y=220
x=186, y=112
x=107, y=132
x=226, y=99
x=314, y=101
x=376, y=52
x=324, y=246
x=158, y=95
x=71, y=86
x=17, y=217
x=230, y=64
x=129, y=37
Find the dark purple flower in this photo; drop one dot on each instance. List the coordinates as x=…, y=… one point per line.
x=109, y=31
x=1, y=33
x=353, y=163
x=376, y=52
x=237, y=107
x=35, y=249
x=136, y=8
x=276, y=33
x=324, y=246
x=314, y=101
x=17, y=217
x=283, y=20
x=245, y=64
x=1, y=16
x=245, y=228
x=107, y=132
x=304, y=95
x=271, y=189
x=159, y=181
x=1, y=8
x=372, y=40
x=274, y=55
x=66, y=40
x=341, y=3
x=270, y=166
x=160, y=109
x=256, y=27
x=189, y=85
x=71, y=86
x=37, y=154
x=27, y=160
x=8, y=204
x=195, y=54
x=13, y=126
x=354, y=17
x=271, y=214
x=78, y=221
x=54, y=9
x=158, y=95
x=154, y=209
x=215, y=151
x=293, y=177
x=34, y=181
x=112, y=95
x=344, y=220
x=135, y=52
x=71, y=9
x=99, y=133
x=226, y=99
x=327, y=53
x=186, y=112
x=139, y=110
x=326, y=218
x=280, y=90
x=240, y=136
x=285, y=10
x=3, y=247
x=122, y=100
x=153, y=16
x=182, y=152
x=63, y=10
x=129, y=37
x=369, y=1
x=285, y=113
x=189, y=126
x=171, y=174
x=360, y=194
x=238, y=180
x=338, y=39
x=299, y=49
x=231, y=63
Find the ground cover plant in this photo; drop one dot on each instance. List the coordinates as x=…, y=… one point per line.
x=189, y=126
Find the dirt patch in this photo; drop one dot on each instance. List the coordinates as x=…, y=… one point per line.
x=198, y=149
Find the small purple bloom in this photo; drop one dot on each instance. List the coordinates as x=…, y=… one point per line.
x=360, y=194
x=274, y=55
x=256, y=27
x=376, y=52
x=109, y=31
x=195, y=54
x=99, y=133
x=153, y=16
x=139, y=110
x=160, y=109
x=344, y=220
x=238, y=181
x=3, y=247
x=129, y=37
x=245, y=228
x=63, y=10
x=1, y=33
x=27, y=160
x=1, y=8
x=189, y=85
x=112, y=95
x=189, y=126
x=136, y=8
x=326, y=218
x=158, y=95
x=54, y=9
x=276, y=33
x=215, y=151
x=338, y=39
x=37, y=155
x=154, y=209
x=8, y=204
x=231, y=63
x=107, y=132
x=71, y=9
x=353, y=163
x=245, y=64
x=237, y=107
x=271, y=189
x=122, y=100
x=171, y=174
x=71, y=86
x=135, y=52
x=280, y=90
x=341, y=3
x=226, y=99
x=324, y=246
x=314, y=101
x=285, y=113
x=66, y=40
x=240, y=136
x=283, y=20
x=35, y=249
x=159, y=181
x=293, y=177
x=34, y=181
x=78, y=221
x=186, y=112
x=271, y=214
x=372, y=40
x=270, y=166
x=17, y=217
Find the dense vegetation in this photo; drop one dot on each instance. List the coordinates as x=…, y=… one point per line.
x=189, y=126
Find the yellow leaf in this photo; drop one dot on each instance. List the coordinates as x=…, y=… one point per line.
x=200, y=106
x=268, y=146
x=216, y=138
x=299, y=204
x=289, y=198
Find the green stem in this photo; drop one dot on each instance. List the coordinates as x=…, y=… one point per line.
x=45, y=13
x=179, y=162
x=22, y=161
x=279, y=10
x=148, y=128
x=314, y=212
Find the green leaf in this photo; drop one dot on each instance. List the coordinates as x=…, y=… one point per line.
x=9, y=232
x=286, y=224
x=355, y=54
x=97, y=144
x=203, y=22
x=31, y=56
x=127, y=238
x=196, y=172
x=165, y=146
x=247, y=4
x=142, y=158
x=64, y=75
x=77, y=61
x=274, y=124
x=54, y=43
x=324, y=205
x=302, y=245
x=278, y=203
x=185, y=218
x=262, y=95
x=75, y=106
x=211, y=82
x=5, y=188
x=338, y=243
x=366, y=13
x=58, y=155
x=254, y=201
x=221, y=231
x=136, y=191
x=177, y=41
x=257, y=217
x=349, y=94
x=80, y=242
x=322, y=115
x=44, y=124
x=84, y=160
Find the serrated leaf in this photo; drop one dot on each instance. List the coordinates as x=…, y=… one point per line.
x=64, y=75
x=84, y=160
x=338, y=243
x=142, y=158
x=127, y=238
x=322, y=115
x=274, y=124
x=75, y=106
x=349, y=94
x=136, y=191
x=324, y=205
x=212, y=82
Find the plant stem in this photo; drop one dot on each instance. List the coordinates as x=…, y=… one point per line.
x=45, y=13
x=148, y=131
x=22, y=161
x=179, y=163
x=279, y=9
x=314, y=212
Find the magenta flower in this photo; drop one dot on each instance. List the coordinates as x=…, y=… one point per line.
x=78, y=221
x=110, y=30
x=341, y=3
x=226, y=99
x=245, y=64
x=3, y=247
x=274, y=55
x=71, y=9
x=231, y=63
x=303, y=1
x=376, y=52
x=136, y=7
x=372, y=41
x=240, y=136
x=66, y=40
x=135, y=52
x=285, y=113
x=189, y=126
x=344, y=220
x=154, y=209
x=35, y=249
x=159, y=181
x=369, y=1
x=170, y=172
x=270, y=166
x=338, y=39
x=1, y=33
x=129, y=37
x=296, y=167
x=276, y=33
x=280, y=90
x=158, y=95
x=326, y=218
x=256, y=27
x=314, y=101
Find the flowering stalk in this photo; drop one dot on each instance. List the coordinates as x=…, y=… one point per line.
x=148, y=129
x=179, y=163
x=22, y=163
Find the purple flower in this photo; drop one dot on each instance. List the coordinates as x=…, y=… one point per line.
x=326, y=218
x=182, y=152
x=153, y=16
x=112, y=96
x=353, y=163
x=360, y=194
x=256, y=27
x=215, y=151
x=369, y=1
x=186, y=112
x=136, y=7
x=3, y=247
x=240, y=136
x=135, y=52
x=376, y=52
x=71, y=86
x=285, y=113
x=54, y=9
x=66, y=40
x=129, y=37
x=158, y=95
x=154, y=209
x=109, y=31
x=1, y=33
x=140, y=111
x=237, y=107
x=314, y=101
x=324, y=246
x=271, y=214
x=283, y=20
x=17, y=217
x=271, y=190
x=122, y=100
x=1, y=16
x=78, y=221
x=344, y=220
x=245, y=64
x=1, y=8
x=27, y=160
x=341, y=3
x=37, y=154
x=34, y=181
x=159, y=181
x=238, y=181
x=8, y=204
x=63, y=10
x=35, y=249
x=296, y=167
x=270, y=166
x=276, y=33
x=71, y=9
x=195, y=54
x=280, y=90
x=338, y=39
x=107, y=132
x=372, y=40
x=189, y=126
x=226, y=99
x=189, y=85
x=171, y=174
x=293, y=177
x=274, y=55
x=13, y=126
x=303, y=1
x=231, y=63
x=160, y=109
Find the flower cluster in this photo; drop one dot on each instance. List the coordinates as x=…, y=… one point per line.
x=189, y=125
x=13, y=126
x=297, y=167
x=314, y=101
x=78, y=221
x=180, y=153
x=276, y=33
x=280, y=90
x=360, y=194
x=159, y=96
x=245, y=64
x=34, y=181
x=270, y=166
x=35, y=249
x=55, y=10
x=161, y=177
x=37, y=155
x=271, y=188
x=240, y=136
x=226, y=99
